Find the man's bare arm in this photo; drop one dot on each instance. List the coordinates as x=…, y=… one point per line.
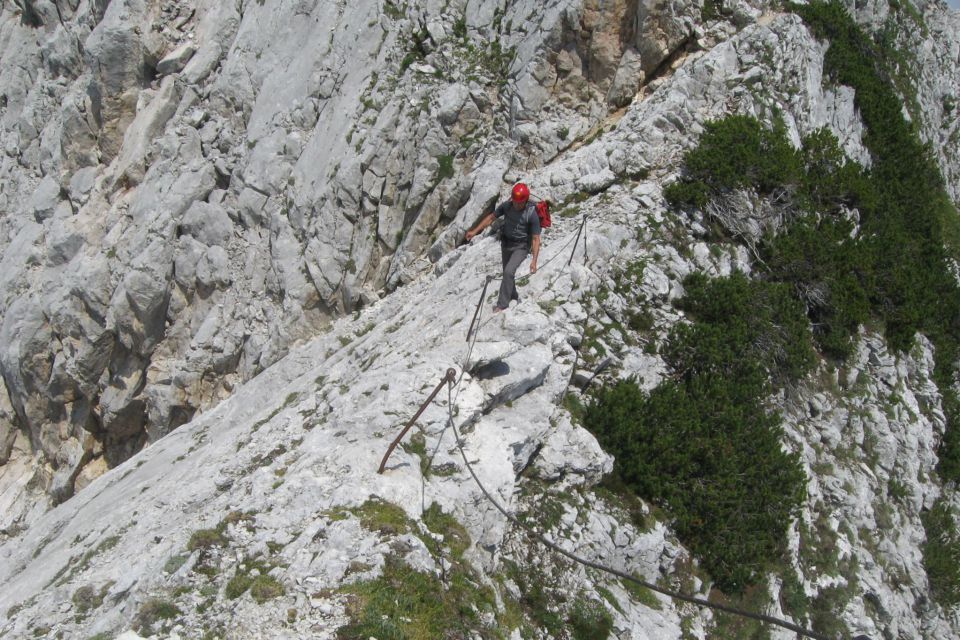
x=483, y=224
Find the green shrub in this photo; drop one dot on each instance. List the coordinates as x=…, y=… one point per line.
x=644, y=595
x=444, y=167
x=949, y=450
x=910, y=226
x=710, y=10
x=589, y=620
x=896, y=267
x=827, y=271
x=828, y=179
x=152, y=611
x=701, y=444
x=752, y=330
x=264, y=588
x=88, y=598
x=941, y=554
x=383, y=517
x=538, y=597
x=204, y=539
x=405, y=604
x=454, y=534
x=793, y=599
x=238, y=584
x=734, y=153
x=460, y=28
x=708, y=452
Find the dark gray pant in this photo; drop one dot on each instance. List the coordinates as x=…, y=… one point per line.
x=512, y=257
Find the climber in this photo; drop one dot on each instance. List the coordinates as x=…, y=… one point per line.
x=519, y=236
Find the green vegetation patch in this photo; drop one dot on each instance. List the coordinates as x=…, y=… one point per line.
x=589, y=619
x=152, y=612
x=753, y=330
x=735, y=153
x=454, y=534
x=826, y=610
x=730, y=627
x=203, y=539
x=941, y=553
x=417, y=445
x=382, y=517
x=207, y=541
x=544, y=510
x=540, y=599
x=253, y=575
x=890, y=263
x=408, y=604
x=405, y=604
x=643, y=595
x=89, y=597
x=265, y=587
x=910, y=228
x=701, y=444
x=444, y=167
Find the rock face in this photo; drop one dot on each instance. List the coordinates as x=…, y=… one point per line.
x=229, y=231
x=190, y=188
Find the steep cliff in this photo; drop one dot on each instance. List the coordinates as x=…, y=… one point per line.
x=189, y=189
x=231, y=232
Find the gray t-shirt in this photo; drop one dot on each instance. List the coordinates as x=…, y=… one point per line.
x=519, y=225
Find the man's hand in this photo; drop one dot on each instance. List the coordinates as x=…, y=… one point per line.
x=533, y=267
x=468, y=236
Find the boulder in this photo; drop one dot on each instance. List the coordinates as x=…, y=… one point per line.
x=176, y=60
x=208, y=223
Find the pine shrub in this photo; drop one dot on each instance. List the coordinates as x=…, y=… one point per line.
x=702, y=445
x=890, y=263
x=941, y=553
x=736, y=153
x=910, y=226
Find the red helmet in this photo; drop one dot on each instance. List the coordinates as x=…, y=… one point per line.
x=520, y=193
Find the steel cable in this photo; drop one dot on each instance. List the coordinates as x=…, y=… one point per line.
x=451, y=424
x=610, y=570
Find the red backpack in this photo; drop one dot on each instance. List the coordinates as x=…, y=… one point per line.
x=543, y=212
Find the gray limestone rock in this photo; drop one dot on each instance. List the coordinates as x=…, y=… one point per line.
x=82, y=183
x=451, y=102
x=569, y=451
x=64, y=241
x=213, y=268
x=45, y=199
x=145, y=128
x=173, y=224
x=208, y=223
x=176, y=60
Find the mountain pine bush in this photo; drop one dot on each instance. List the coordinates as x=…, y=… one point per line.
x=702, y=445
x=857, y=245
x=910, y=228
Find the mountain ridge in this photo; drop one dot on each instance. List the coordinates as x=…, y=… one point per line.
x=282, y=469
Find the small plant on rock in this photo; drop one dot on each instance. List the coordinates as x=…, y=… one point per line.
x=154, y=610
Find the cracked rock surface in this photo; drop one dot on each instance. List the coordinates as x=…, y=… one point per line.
x=231, y=271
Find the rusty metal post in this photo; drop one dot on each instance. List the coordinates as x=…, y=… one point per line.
x=576, y=242
x=449, y=377
x=586, y=254
x=483, y=294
